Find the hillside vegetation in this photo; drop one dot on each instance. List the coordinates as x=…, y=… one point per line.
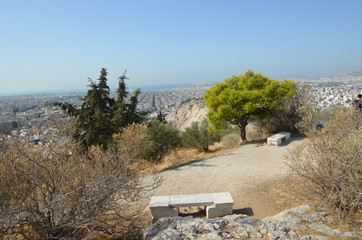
x=79, y=180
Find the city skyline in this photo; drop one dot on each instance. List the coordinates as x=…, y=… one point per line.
x=54, y=46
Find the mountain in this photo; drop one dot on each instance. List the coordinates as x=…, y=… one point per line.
x=351, y=74
x=183, y=117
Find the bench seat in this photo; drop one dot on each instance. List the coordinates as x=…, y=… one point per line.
x=217, y=204
x=191, y=200
x=276, y=139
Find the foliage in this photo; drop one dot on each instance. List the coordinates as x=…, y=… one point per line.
x=330, y=162
x=100, y=116
x=242, y=97
x=164, y=138
x=230, y=140
x=48, y=191
x=288, y=115
x=198, y=136
x=4, y=131
x=133, y=140
x=160, y=117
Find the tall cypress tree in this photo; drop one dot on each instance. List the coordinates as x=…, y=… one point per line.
x=93, y=125
x=100, y=116
x=125, y=112
x=120, y=107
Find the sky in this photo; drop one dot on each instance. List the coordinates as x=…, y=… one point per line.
x=57, y=45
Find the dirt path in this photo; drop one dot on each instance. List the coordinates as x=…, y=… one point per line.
x=248, y=173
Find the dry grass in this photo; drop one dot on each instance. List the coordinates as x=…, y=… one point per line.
x=185, y=155
x=230, y=141
x=289, y=193
x=180, y=157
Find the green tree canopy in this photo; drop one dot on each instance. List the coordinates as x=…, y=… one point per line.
x=101, y=116
x=198, y=136
x=242, y=97
x=164, y=138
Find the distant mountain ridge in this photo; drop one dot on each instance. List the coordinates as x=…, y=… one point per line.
x=353, y=74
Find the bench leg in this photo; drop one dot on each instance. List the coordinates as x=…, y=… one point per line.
x=160, y=212
x=276, y=143
x=219, y=210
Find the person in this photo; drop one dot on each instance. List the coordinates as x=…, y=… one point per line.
x=357, y=103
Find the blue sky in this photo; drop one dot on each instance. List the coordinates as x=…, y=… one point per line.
x=56, y=45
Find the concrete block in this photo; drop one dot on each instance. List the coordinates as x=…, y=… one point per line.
x=223, y=197
x=219, y=210
x=160, y=207
x=276, y=139
x=191, y=200
x=286, y=134
x=223, y=205
x=217, y=204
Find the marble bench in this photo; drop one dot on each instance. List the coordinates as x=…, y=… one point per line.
x=217, y=204
x=276, y=139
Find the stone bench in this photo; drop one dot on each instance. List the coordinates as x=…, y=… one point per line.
x=276, y=139
x=217, y=204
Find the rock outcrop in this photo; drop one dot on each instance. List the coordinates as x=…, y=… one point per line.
x=182, y=117
x=298, y=223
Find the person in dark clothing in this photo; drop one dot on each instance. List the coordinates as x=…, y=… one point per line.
x=357, y=103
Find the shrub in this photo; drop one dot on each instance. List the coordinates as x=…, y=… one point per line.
x=330, y=162
x=291, y=112
x=198, y=136
x=132, y=141
x=230, y=140
x=49, y=191
x=164, y=138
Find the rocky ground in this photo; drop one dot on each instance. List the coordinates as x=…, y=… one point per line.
x=249, y=173
x=185, y=115
x=302, y=222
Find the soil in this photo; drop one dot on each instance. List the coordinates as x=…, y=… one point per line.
x=252, y=174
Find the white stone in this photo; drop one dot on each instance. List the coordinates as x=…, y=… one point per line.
x=160, y=207
x=286, y=134
x=276, y=139
x=217, y=204
x=223, y=205
x=191, y=200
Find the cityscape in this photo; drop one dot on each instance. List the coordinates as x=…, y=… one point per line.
x=20, y=113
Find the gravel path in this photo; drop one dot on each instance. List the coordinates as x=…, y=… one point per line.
x=247, y=173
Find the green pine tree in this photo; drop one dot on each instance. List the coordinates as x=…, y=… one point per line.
x=100, y=116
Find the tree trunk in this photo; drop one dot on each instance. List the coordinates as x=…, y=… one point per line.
x=242, y=125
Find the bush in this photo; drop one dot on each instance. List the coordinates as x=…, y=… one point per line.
x=290, y=113
x=199, y=137
x=164, y=138
x=330, y=162
x=49, y=191
x=132, y=141
x=230, y=140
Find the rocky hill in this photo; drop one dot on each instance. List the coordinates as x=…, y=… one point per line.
x=298, y=223
x=183, y=117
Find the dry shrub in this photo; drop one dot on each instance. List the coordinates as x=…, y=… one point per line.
x=49, y=191
x=291, y=112
x=230, y=141
x=330, y=162
x=255, y=132
x=133, y=140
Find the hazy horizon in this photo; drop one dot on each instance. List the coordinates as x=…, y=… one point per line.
x=113, y=86
x=49, y=46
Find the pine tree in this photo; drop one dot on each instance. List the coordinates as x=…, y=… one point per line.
x=126, y=113
x=93, y=125
x=100, y=116
x=160, y=117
